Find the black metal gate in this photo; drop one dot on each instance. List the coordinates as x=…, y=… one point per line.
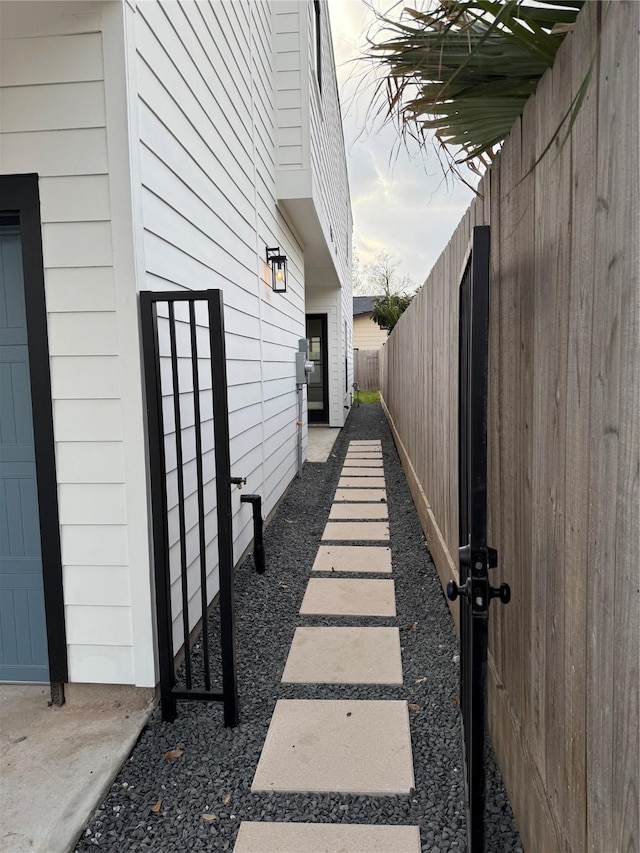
x=184, y=362
x=476, y=557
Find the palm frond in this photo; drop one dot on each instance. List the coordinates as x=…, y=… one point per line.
x=465, y=68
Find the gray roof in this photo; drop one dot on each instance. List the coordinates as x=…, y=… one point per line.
x=362, y=305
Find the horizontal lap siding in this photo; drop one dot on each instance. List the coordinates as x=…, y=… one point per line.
x=310, y=142
x=53, y=121
x=328, y=163
x=367, y=334
x=207, y=158
x=331, y=189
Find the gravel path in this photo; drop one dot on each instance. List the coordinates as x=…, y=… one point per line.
x=213, y=775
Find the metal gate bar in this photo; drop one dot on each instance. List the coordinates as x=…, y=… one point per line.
x=170, y=691
x=475, y=557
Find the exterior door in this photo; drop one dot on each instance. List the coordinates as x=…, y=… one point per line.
x=23, y=636
x=318, y=387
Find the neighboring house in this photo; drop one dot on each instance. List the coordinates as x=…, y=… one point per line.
x=367, y=335
x=165, y=145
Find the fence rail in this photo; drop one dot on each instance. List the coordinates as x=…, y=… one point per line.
x=563, y=441
x=366, y=367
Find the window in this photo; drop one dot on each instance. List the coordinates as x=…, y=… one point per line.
x=317, y=42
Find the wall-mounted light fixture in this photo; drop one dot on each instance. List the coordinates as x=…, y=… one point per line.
x=278, y=262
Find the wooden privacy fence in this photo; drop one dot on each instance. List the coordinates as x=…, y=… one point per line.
x=563, y=463
x=366, y=369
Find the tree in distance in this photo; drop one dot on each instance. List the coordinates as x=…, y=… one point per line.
x=382, y=279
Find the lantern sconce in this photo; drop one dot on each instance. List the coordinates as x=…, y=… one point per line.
x=278, y=262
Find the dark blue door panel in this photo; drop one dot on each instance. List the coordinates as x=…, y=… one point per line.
x=23, y=643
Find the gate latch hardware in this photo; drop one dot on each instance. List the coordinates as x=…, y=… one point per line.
x=453, y=590
x=503, y=592
x=476, y=586
x=238, y=481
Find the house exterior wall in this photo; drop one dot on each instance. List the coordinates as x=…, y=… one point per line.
x=54, y=119
x=330, y=184
x=166, y=115
x=367, y=334
x=311, y=179
x=346, y=362
x=208, y=210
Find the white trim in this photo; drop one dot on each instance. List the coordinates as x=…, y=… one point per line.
x=120, y=93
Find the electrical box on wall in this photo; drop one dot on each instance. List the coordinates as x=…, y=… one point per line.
x=303, y=366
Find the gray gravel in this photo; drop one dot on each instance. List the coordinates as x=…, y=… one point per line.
x=214, y=774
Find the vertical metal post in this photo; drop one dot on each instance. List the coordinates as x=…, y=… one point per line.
x=157, y=468
x=180, y=476
x=200, y=489
x=299, y=429
x=223, y=496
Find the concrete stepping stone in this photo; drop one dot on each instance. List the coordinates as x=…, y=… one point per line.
x=349, y=597
x=344, y=531
x=363, y=463
x=351, y=655
x=361, y=482
x=365, y=442
x=353, y=558
x=362, y=472
x=274, y=837
x=359, y=457
x=347, y=746
x=366, y=495
x=348, y=511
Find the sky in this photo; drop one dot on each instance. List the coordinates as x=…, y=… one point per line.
x=399, y=200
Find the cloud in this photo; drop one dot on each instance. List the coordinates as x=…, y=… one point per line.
x=400, y=201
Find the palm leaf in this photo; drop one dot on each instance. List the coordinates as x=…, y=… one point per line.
x=466, y=68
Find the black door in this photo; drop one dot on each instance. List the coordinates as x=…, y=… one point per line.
x=476, y=558
x=318, y=387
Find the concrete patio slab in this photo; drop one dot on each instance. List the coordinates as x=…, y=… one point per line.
x=56, y=765
x=320, y=441
x=256, y=837
x=358, y=510
x=366, y=495
x=335, y=745
x=344, y=656
x=361, y=482
x=353, y=558
x=349, y=597
x=350, y=462
x=356, y=531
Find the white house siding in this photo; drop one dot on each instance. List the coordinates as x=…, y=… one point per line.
x=331, y=188
x=53, y=119
x=312, y=179
x=367, y=334
x=346, y=305
x=328, y=162
x=152, y=129
x=205, y=114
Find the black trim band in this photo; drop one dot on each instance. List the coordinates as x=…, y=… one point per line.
x=20, y=193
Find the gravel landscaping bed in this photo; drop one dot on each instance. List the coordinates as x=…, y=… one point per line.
x=213, y=775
